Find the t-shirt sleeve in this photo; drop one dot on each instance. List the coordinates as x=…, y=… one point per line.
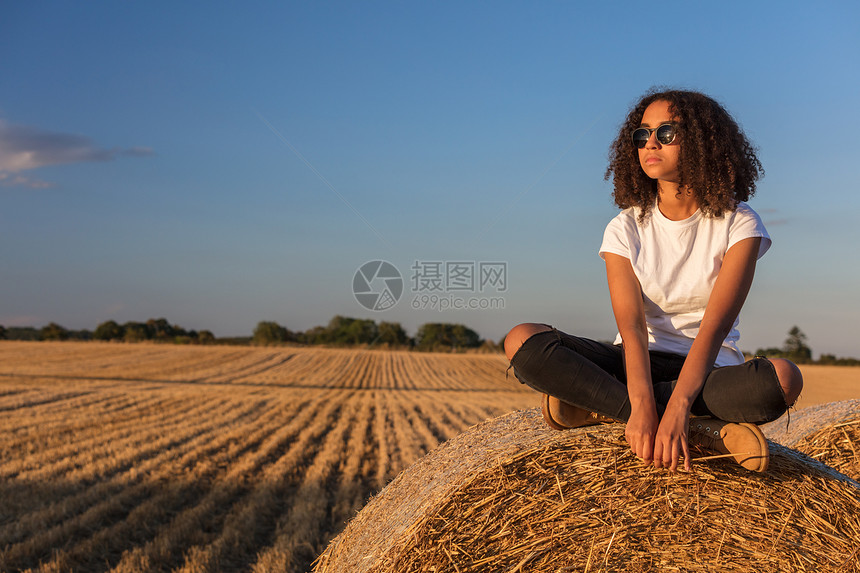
x=615, y=238
x=747, y=224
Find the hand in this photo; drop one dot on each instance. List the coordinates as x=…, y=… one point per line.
x=641, y=428
x=671, y=441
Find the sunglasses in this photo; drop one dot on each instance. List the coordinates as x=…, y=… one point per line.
x=666, y=134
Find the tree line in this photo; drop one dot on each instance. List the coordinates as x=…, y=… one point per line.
x=340, y=331
x=796, y=349
x=155, y=329
x=346, y=331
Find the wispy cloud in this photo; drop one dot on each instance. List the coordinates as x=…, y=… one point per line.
x=23, y=148
x=10, y=180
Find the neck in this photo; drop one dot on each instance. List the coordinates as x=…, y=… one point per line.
x=676, y=204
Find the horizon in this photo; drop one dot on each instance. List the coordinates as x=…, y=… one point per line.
x=816, y=355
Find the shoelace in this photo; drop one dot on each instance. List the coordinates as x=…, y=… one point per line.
x=706, y=437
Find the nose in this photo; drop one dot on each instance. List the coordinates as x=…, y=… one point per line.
x=652, y=142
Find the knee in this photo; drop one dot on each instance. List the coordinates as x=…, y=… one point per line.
x=790, y=378
x=519, y=334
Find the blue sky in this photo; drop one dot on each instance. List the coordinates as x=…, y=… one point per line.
x=219, y=164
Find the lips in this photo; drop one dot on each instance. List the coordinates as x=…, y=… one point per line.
x=652, y=159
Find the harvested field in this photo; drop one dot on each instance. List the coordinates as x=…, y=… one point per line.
x=146, y=457
x=153, y=458
x=825, y=384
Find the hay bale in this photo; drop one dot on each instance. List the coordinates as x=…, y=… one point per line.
x=829, y=433
x=837, y=445
x=794, y=427
x=510, y=495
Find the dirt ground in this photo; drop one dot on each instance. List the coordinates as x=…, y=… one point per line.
x=823, y=384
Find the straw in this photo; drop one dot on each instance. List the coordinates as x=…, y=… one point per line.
x=836, y=445
x=510, y=495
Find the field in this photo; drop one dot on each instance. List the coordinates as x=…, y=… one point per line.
x=824, y=384
x=153, y=457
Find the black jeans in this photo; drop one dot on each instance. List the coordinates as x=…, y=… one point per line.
x=591, y=375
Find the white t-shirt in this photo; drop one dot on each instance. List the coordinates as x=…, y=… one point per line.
x=677, y=263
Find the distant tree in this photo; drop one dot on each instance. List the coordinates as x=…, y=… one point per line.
x=795, y=347
x=109, y=330
x=161, y=329
x=135, y=332
x=827, y=359
x=53, y=331
x=315, y=335
x=23, y=333
x=392, y=333
x=205, y=337
x=345, y=330
x=832, y=359
x=2, y=332
x=80, y=334
x=337, y=324
x=268, y=332
x=361, y=331
x=464, y=337
x=430, y=335
x=771, y=352
x=442, y=336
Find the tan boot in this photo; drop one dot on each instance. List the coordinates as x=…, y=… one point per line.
x=563, y=416
x=745, y=442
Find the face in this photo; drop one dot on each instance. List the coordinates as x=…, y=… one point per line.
x=659, y=161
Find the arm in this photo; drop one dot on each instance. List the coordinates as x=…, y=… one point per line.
x=728, y=296
x=626, y=295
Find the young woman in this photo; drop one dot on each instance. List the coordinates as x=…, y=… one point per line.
x=680, y=260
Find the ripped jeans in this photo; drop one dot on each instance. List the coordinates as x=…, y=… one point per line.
x=591, y=375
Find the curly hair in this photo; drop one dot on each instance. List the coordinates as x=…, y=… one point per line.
x=717, y=163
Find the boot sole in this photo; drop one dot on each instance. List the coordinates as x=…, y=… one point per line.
x=763, y=460
x=583, y=417
x=547, y=415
